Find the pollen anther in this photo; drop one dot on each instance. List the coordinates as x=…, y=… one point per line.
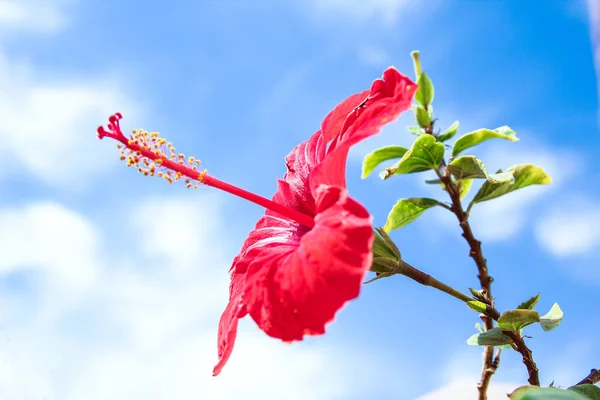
x=151, y=154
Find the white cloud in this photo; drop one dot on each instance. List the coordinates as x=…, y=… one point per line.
x=261, y=370
x=503, y=218
x=48, y=129
x=567, y=365
x=460, y=375
x=48, y=125
x=48, y=235
x=465, y=389
x=181, y=216
x=571, y=227
x=33, y=15
x=593, y=8
x=374, y=56
x=146, y=327
x=387, y=12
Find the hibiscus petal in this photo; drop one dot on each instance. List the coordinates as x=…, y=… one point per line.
x=271, y=231
x=311, y=163
x=293, y=189
x=229, y=321
x=334, y=121
x=387, y=98
x=296, y=288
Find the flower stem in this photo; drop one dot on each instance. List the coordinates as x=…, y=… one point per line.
x=297, y=216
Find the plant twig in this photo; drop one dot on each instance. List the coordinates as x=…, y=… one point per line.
x=424, y=279
x=521, y=347
x=389, y=262
x=591, y=379
x=485, y=281
x=484, y=278
x=493, y=365
x=487, y=372
x=496, y=361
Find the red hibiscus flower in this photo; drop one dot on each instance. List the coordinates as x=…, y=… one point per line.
x=309, y=253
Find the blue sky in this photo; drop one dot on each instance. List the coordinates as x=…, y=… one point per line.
x=111, y=285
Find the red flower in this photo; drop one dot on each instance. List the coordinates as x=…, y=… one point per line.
x=309, y=253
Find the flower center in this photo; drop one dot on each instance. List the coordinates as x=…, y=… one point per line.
x=154, y=156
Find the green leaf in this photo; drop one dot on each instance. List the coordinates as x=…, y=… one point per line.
x=590, y=392
x=425, y=154
x=464, y=186
x=529, y=304
x=425, y=92
x=481, y=329
x=524, y=175
x=515, y=320
x=385, y=254
x=537, y=393
x=422, y=116
x=478, y=294
x=469, y=167
x=430, y=111
x=552, y=319
x=477, y=306
x=383, y=265
x=381, y=249
x=378, y=156
x=379, y=276
x=481, y=135
x=406, y=211
x=493, y=337
x=449, y=133
x=416, y=130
